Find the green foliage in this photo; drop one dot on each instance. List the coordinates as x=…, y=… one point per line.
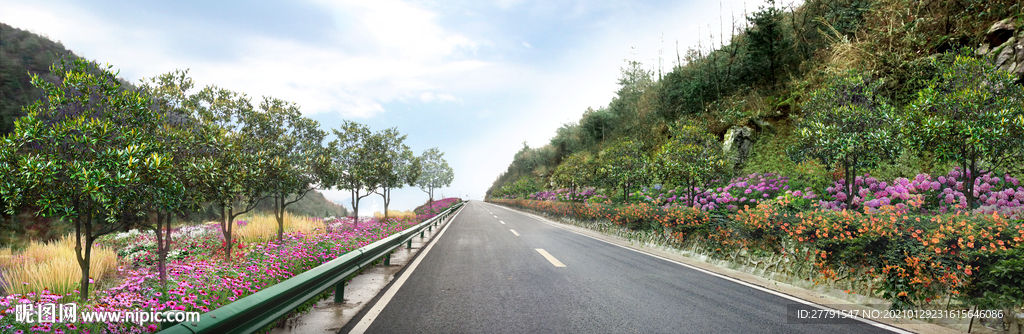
x=23, y=54
x=692, y=158
x=295, y=152
x=767, y=44
x=848, y=124
x=970, y=113
x=435, y=172
x=399, y=166
x=575, y=172
x=1000, y=282
x=83, y=154
x=352, y=162
x=624, y=164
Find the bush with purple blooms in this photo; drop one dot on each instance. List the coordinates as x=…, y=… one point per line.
x=564, y=194
x=744, y=190
x=926, y=195
x=432, y=209
x=202, y=281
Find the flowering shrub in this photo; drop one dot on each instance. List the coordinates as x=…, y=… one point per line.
x=200, y=280
x=744, y=190
x=927, y=195
x=564, y=194
x=437, y=207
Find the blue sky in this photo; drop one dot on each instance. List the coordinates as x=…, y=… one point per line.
x=473, y=78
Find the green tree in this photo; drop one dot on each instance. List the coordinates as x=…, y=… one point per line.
x=234, y=177
x=298, y=159
x=190, y=144
x=353, y=160
x=971, y=113
x=623, y=164
x=767, y=44
x=435, y=172
x=575, y=172
x=849, y=124
x=84, y=152
x=691, y=158
x=398, y=167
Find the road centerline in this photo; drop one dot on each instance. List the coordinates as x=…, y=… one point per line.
x=514, y=232
x=550, y=258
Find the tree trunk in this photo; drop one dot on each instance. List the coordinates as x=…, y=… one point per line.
x=386, y=193
x=225, y=229
x=355, y=207
x=160, y=250
x=279, y=214
x=84, y=255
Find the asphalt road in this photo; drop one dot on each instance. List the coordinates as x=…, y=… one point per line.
x=480, y=277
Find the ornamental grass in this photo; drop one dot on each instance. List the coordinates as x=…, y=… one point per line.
x=51, y=266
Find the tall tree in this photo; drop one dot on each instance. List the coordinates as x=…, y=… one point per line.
x=767, y=43
x=435, y=172
x=971, y=114
x=84, y=152
x=623, y=164
x=352, y=162
x=397, y=167
x=692, y=159
x=575, y=172
x=850, y=124
x=298, y=158
x=190, y=144
x=234, y=177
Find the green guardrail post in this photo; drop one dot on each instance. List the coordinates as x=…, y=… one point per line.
x=409, y=244
x=387, y=259
x=339, y=292
x=421, y=234
x=428, y=227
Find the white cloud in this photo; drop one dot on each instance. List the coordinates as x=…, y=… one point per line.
x=527, y=45
x=430, y=97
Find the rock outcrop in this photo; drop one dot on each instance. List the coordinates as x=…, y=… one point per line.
x=1004, y=43
x=737, y=144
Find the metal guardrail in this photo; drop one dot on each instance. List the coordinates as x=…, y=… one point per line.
x=258, y=310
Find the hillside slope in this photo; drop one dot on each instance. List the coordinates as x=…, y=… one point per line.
x=750, y=92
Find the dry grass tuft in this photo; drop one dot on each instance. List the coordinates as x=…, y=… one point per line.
x=52, y=266
x=395, y=214
x=262, y=228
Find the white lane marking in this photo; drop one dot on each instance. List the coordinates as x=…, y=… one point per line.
x=514, y=232
x=383, y=302
x=550, y=258
x=734, y=280
x=502, y=223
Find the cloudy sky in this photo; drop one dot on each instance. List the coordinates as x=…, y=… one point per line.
x=473, y=78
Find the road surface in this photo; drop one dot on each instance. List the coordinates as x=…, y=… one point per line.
x=495, y=270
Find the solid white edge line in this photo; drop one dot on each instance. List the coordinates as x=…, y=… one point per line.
x=777, y=293
x=514, y=232
x=372, y=314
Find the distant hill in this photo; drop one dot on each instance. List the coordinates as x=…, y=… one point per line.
x=21, y=53
x=313, y=205
x=751, y=87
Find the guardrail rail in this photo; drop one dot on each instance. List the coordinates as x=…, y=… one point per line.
x=258, y=310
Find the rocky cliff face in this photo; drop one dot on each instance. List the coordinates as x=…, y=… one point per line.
x=1004, y=42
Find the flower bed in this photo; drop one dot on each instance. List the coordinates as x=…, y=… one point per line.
x=200, y=280
x=432, y=209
